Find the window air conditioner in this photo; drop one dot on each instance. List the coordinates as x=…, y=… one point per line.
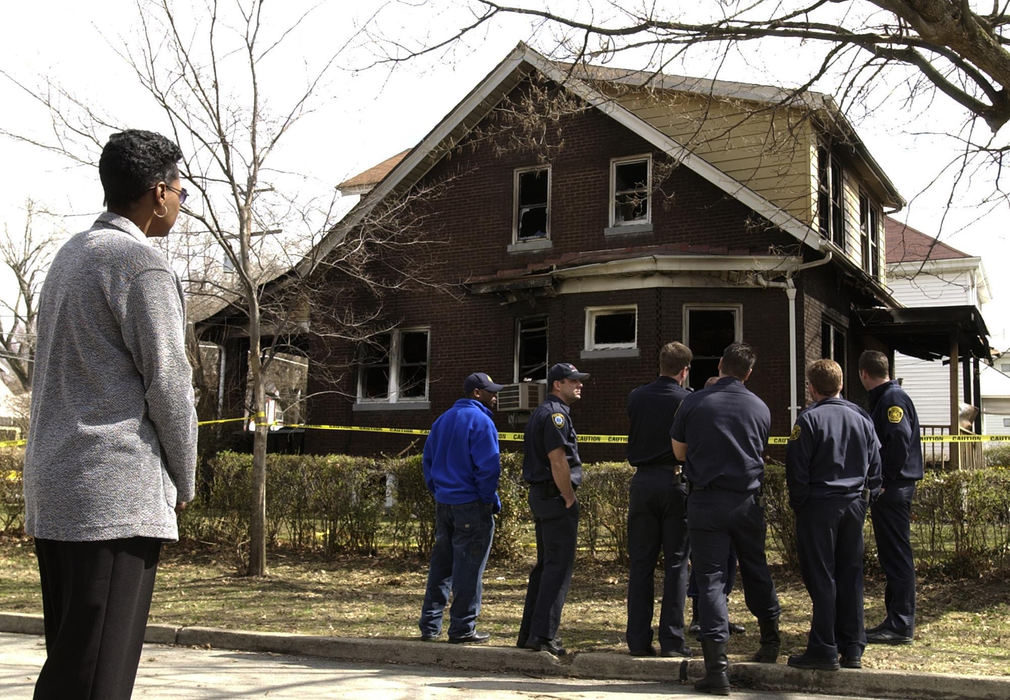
x=524, y=396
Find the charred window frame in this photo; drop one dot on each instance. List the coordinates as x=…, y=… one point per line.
x=869, y=233
x=833, y=342
x=393, y=367
x=531, y=349
x=611, y=331
x=532, y=210
x=708, y=329
x=830, y=197
x=631, y=191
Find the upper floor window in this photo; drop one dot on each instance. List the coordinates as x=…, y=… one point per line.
x=532, y=204
x=631, y=191
x=869, y=234
x=707, y=331
x=393, y=367
x=612, y=328
x=830, y=200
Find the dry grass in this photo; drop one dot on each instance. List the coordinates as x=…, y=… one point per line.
x=963, y=626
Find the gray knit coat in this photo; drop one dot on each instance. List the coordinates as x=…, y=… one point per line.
x=112, y=442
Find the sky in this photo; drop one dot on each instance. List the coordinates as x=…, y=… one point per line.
x=366, y=114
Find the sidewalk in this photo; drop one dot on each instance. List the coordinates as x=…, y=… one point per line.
x=588, y=665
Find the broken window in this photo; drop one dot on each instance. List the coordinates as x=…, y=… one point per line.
x=612, y=327
x=531, y=349
x=869, y=232
x=532, y=193
x=830, y=211
x=631, y=191
x=394, y=366
x=708, y=330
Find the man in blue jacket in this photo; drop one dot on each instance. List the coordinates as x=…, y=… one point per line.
x=461, y=468
x=833, y=470
x=897, y=426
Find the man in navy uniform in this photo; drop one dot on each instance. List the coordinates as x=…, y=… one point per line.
x=897, y=426
x=552, y=468
x=833, y=471
x=461, y=465
x=720, y=433
x=657, y=510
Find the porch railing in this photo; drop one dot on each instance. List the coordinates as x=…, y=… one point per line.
x=937, y=455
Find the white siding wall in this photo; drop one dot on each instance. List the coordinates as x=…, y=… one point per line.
x=928, y=383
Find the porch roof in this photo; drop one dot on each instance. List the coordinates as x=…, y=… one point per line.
x=927, y=332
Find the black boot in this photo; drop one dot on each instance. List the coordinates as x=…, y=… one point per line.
x=716, y=680
x=771, y=642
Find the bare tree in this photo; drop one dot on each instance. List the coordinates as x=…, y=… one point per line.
x=205, y=70
x=26, y=255
x=864, y=52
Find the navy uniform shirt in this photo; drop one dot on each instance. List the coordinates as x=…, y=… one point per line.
x=726, y=429
x=833, y=451
x=549, y=428
x=651, y=408
x=897, y=426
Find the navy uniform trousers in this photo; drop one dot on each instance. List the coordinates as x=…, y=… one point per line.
x=891, y=515
x=657, y=521
x=557, y=529
x=829, y=540
x=716, y=521
x=95, y=600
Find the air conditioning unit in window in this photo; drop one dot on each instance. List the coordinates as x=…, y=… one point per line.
x=524, y=396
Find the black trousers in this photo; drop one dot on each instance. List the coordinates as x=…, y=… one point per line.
x=829, y=539
x=891, y=515
x=657, y=521
x=557, y=531
x=716, y=521
x=95, y=600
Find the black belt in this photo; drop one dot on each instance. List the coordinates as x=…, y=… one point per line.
x=550, y=487
x=675, y=468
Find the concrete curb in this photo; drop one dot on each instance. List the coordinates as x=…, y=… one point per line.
x=594, y=665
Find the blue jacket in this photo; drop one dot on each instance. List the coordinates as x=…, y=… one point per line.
x=897, y=426
x=833, y=451
x=461, y=459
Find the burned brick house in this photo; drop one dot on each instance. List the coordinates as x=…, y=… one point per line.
x=590, y=215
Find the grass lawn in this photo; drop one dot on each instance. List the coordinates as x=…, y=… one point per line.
x=962, y=626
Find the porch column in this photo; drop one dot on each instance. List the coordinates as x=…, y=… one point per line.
x=954, y=451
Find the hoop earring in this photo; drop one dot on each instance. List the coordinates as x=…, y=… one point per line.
x=163, y=214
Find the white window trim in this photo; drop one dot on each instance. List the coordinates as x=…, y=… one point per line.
x=395, y=357
x=614, y=162
x=592, y=312
x=533, y=242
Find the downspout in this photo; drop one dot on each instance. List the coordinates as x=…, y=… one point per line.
x=790, y=289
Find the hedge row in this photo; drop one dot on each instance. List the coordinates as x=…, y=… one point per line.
x=333, y=503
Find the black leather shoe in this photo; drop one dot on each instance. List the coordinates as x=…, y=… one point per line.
x=851, y=661
x=813, y=663
x=429, y=637
x=551, y=646
x=734, y=628
x=684, y=653
x=474, y=637
x=647, y=651
x=886, y=636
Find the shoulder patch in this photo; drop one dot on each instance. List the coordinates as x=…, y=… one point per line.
x=558, y=419
x=795, y=434
x=895, y=414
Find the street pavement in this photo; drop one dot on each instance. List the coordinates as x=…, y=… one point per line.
x=187, y=672
x=201, y=662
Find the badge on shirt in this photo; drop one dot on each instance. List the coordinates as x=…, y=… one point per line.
x=795, y=435
x=559, y=420
x=895, y=414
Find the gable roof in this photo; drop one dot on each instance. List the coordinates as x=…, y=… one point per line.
x=906, y=244
x=518, y=65
x=366, y=180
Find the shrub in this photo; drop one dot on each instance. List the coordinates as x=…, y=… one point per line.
x=12, y=504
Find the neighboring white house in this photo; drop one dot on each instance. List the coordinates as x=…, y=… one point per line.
x=995, y=382
x=923, y=272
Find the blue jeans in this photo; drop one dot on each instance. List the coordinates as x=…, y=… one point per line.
x=463, y=536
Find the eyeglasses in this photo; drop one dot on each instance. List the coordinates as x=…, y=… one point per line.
x=183, y=194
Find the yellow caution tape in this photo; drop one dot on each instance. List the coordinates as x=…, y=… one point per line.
x=518, y=437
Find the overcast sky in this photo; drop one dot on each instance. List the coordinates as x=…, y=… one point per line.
x=368, y=115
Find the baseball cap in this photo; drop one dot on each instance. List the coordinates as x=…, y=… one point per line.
x=565, y=370
x=480, y=380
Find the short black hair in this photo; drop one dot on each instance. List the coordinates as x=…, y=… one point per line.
x=738, y=359
x=134, y=161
